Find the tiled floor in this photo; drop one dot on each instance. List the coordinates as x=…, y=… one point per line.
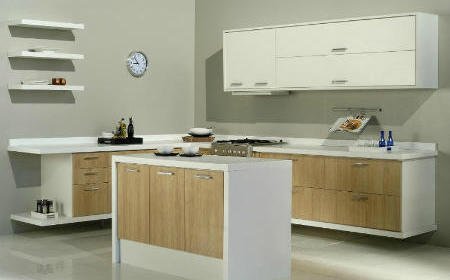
x=85, y=253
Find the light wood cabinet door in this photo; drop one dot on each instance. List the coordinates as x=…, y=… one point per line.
x=375, y=176
x=337, y=174
x=204, y=212
x=90, y=199
x=167, y=207
x=350, y=210
x=324, y=205
x=302, y=203
x=133, y=202
x=392, y=213
x=89, y=160
x=309, y=171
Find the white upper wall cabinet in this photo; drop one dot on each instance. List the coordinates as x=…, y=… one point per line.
x=394, y=51
x=249, y=60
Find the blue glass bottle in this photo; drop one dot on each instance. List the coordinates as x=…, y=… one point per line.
x=382, y=142
x=390, y=141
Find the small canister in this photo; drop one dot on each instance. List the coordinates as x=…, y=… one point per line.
x=56, y=81
x=44, y=206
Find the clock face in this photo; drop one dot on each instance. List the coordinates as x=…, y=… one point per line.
x=137, y=64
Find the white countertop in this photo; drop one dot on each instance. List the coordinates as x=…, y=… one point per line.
x=306, y=146
x=205, y=162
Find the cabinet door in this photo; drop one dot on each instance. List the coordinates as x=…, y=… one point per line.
x=366, y=176
x=337, y=173
x=249, y=59
x=90, y=199
x=324, y=205
x=350, y=210
x=309, y=171
x=204, y=212
x=167, y=207
x=349, y=70
x=357, y=36
x=392, y=213
x=133, y=202
x=302, y=204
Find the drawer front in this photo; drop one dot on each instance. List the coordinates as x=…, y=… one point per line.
x=368, y=210
x=324, y=205
x=90, y=199
x=302, y=203
x=90, y=176
x=373, y=35
x=89, y=160
x=375, y=176
x=350, y=70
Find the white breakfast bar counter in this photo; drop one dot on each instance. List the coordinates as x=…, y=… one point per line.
x=251, y=224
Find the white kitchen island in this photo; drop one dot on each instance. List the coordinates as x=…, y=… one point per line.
x=206, y=217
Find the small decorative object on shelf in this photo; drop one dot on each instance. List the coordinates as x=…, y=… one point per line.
x=382, y=142
x=45, y=209
x=130, y=128
x=390, y=141
x=59, y=81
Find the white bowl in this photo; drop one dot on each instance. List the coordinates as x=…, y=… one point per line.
x=107, y=135
x=200, y=131
x=165, y=150
x=190, y=150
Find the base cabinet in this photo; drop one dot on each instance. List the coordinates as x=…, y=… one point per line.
x=174, y=208
x=356, y=192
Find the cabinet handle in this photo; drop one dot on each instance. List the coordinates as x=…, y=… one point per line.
x=91, y=189
x=339, y=49
x=206, y=177
x=90, y=174
x=132, y=170
x=360, y=164
x=236, y=84
x=360, y=197
x=339, y=82
x=261, y=83
x=166, y=173
x=90, y=158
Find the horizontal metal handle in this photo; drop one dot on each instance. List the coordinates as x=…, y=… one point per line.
x=165, y=173
x=132, y=170
x=339, y=49
x=339, y=81
x=261, y=83
x=360, y=197
x=91, y=189
x=360, y=164
x=90, y=158
x=236, y=84
x=90, y=174
x=206, y=177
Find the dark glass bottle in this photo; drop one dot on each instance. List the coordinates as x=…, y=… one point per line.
x=130, y=129
x=390, y=141
x=382, y=142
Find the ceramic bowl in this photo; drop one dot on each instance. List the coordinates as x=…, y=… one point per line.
x=190, y=150
x=200, y=131
x=165, y=150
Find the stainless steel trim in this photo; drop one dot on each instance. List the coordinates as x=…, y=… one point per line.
x=236, y=84
x=90, y=174
x=339, y=49
x=261, y=83
x=360, y=164
x=360, y=197
x=206, y=177
x=165, y=173
x=339, y=81
x=132, y=170
x=91, y=189
x=90, y=158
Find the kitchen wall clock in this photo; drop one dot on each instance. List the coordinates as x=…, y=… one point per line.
x=137, y=63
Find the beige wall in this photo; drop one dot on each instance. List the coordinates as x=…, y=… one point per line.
x=413, y=115
x=161, y=102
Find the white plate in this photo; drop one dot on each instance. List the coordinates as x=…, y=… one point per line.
x=39, y=82
x=44, y=49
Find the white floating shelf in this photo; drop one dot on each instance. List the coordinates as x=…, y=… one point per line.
x=45, y=87
x=45, y=55
x=61, y=220
x=46, y=24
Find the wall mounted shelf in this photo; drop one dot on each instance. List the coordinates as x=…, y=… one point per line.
x=31, y=23
x=45, y=55
x=27, y=219
x=45, y=87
